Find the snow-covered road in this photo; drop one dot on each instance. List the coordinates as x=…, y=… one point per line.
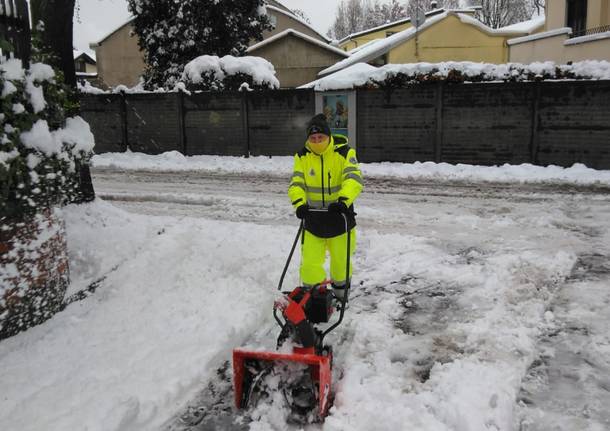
x=476, y=307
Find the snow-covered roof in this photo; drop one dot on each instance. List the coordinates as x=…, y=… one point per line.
x=504, y=31
x=543, y=35
x=298, y=34
x=402, y=21
x=348, y=78
x=90, y=56
x=299, y=19
x=359, y=48
x=107, y=35
x=382, y=46
x=528, y=26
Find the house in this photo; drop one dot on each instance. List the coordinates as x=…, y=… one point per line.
x=84, y=63
x=297, y=57
x=120, y=60
x=574, y=30
x=445, y=35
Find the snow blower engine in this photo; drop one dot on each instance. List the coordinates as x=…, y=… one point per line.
x=301, y=366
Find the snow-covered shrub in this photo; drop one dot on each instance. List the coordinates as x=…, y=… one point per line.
x=39, y=147
x=401, y=75
x=171, y=33
x=209, y=72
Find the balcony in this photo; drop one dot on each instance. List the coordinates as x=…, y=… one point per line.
x=589, y=31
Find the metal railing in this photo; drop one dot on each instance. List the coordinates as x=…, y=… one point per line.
x=589, y=31
x=15, y=30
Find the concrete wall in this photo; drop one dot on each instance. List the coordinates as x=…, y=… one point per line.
x=452, y=40
x=559, y=123
x=228, y=123
x=296, y=61
x=119, y=59
x=560, y=49
x=550, y=48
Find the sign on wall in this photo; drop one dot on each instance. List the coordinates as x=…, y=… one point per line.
x=340, y=111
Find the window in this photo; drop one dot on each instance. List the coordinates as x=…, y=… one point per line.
x=80, y=66
x=577, y=16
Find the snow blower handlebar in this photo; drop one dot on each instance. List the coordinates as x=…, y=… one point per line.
x=347, y=267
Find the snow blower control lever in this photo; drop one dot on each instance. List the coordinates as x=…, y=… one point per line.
x=296, y=312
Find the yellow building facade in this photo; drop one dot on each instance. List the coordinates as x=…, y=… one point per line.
x=453, y=39
x=575, y=30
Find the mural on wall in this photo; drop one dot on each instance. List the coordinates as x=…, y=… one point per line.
x=335, y=109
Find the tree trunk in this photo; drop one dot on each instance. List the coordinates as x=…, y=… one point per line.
x=57, y=16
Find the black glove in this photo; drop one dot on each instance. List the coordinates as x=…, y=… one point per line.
x=302, y=211
x=338, y=208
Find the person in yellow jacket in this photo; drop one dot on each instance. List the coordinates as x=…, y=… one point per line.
x=326, y=176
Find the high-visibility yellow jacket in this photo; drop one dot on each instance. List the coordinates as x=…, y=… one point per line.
x=320, y=179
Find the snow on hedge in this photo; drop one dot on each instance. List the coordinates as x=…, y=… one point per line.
x=39, y=146
x=213, y=71
x=397, y=75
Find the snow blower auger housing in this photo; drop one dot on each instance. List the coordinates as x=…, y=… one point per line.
x=296, y=312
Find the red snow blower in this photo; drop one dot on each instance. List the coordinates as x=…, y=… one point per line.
x=301, y=368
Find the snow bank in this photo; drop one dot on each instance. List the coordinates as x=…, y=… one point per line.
x=464, y=71
x=130, y=355
x=282, y=166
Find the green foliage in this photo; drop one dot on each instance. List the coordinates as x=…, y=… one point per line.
x=30, y=179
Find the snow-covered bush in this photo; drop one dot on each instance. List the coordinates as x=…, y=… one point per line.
x=209, y=72
x=362, y=75
x=171, y=33
x=39, y=147
x=400, y=75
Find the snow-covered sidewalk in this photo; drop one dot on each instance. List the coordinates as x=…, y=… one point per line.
x=174, y=161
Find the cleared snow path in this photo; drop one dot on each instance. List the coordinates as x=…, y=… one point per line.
x=459, y=290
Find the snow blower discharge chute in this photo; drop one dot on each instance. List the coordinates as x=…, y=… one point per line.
x=304, y=370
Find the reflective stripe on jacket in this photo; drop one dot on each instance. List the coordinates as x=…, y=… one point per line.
x=319, y=180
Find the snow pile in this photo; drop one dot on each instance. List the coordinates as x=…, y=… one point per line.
x=282, y=166
x=400, y=75
x=209, y=72
x=86, y=87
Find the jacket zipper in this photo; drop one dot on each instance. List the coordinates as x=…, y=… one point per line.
x=322, y=176
x=329, y=192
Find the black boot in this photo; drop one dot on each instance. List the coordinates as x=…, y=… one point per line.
x=341, y=294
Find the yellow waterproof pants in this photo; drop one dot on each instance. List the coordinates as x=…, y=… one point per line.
x=313, y=255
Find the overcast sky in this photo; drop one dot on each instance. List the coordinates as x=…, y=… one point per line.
x=94, y=19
